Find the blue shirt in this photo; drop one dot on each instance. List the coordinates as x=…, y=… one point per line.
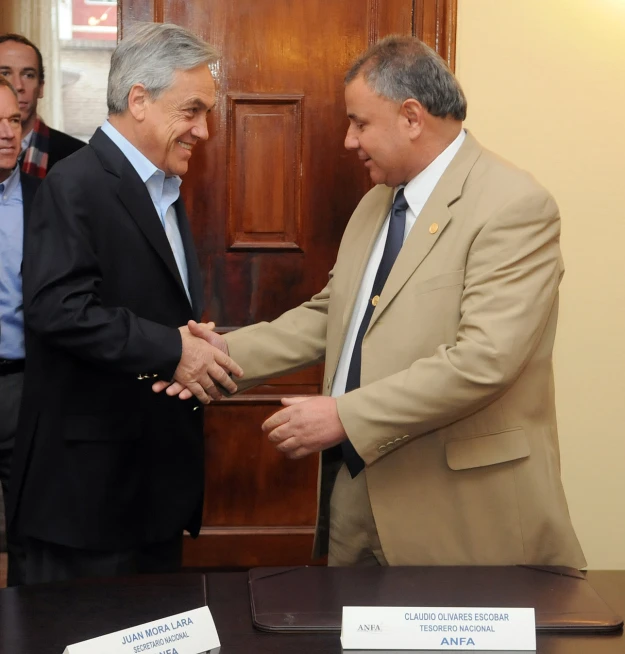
x=11, y=249
x=164, y=192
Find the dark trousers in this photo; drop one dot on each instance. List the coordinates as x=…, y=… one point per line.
x=46, y=562
x=10, y=397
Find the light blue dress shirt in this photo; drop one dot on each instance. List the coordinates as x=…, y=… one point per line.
x=164, y=192
x=26, y=141
x=11, y=248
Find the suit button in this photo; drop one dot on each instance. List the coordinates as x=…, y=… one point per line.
x=140, y=377
x=374, y=300
x=196, y=407
x=433, y=228
x=381, y=448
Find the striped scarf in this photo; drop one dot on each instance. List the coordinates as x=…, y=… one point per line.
x=35, y=158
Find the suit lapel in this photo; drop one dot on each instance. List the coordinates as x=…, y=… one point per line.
x=29, y=188
x=363, y=245
x=134, y=195
x=193, y=266
x=437, y=212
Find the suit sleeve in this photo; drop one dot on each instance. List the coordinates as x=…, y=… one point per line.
x=61, y=280
x=295, y=340
x=512, y=274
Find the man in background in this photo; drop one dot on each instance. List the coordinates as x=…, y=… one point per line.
x=17, y=190
x=41, y=147
x=437, y=426
x=107, y=475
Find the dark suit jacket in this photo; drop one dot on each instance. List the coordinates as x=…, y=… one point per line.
x=30, y=185
x=61, y=146
x=102, y=462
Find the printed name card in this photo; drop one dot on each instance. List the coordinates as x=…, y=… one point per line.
x=437, y=628
x=190, y=632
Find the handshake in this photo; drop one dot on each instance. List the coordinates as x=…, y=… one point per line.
x=303, y=426
x=204, y=366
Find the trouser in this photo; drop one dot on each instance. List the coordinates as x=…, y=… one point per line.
x=353, y=534
x=46, y=562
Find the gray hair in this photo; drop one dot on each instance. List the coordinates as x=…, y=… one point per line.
x=150, y=55
x=402, y=67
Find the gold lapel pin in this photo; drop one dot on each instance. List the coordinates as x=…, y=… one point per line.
x=433, y=228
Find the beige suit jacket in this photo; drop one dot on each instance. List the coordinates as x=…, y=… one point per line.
x=455, y=418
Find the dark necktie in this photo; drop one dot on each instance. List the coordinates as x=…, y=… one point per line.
x=394, y=241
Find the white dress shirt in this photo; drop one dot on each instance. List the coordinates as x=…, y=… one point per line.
x=416, y=192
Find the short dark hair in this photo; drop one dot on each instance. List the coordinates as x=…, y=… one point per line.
x=18, y=38
x=5, y=82
x=402, y=67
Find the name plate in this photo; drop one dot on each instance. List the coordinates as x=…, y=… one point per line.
x=438, y=628
x=191, y=632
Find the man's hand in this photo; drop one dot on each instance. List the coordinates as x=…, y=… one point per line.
x=205, y=332
x=200, y=366
x=305, y=426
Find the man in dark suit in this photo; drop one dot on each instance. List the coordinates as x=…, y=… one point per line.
x=107, y=475
x=17, y=191
x=22, y=64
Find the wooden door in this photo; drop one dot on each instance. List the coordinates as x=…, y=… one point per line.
x=269, y=196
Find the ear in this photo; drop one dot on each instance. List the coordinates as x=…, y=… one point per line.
x=413, y=113
x=40, y=91
x=137, y=101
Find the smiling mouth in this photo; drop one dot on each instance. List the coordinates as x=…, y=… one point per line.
x=186, y=146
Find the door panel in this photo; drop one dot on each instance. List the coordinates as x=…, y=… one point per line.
x=269, y=196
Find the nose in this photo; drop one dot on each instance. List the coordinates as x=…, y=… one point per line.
x=16, y=81
x=351, y=140
x=200, y=129
x=6, y=132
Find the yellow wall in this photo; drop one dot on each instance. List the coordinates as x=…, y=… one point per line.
x=545, y=82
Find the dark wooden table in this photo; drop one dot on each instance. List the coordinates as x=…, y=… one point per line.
x=45, y=619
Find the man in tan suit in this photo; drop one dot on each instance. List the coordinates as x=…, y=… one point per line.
x=441, y=384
